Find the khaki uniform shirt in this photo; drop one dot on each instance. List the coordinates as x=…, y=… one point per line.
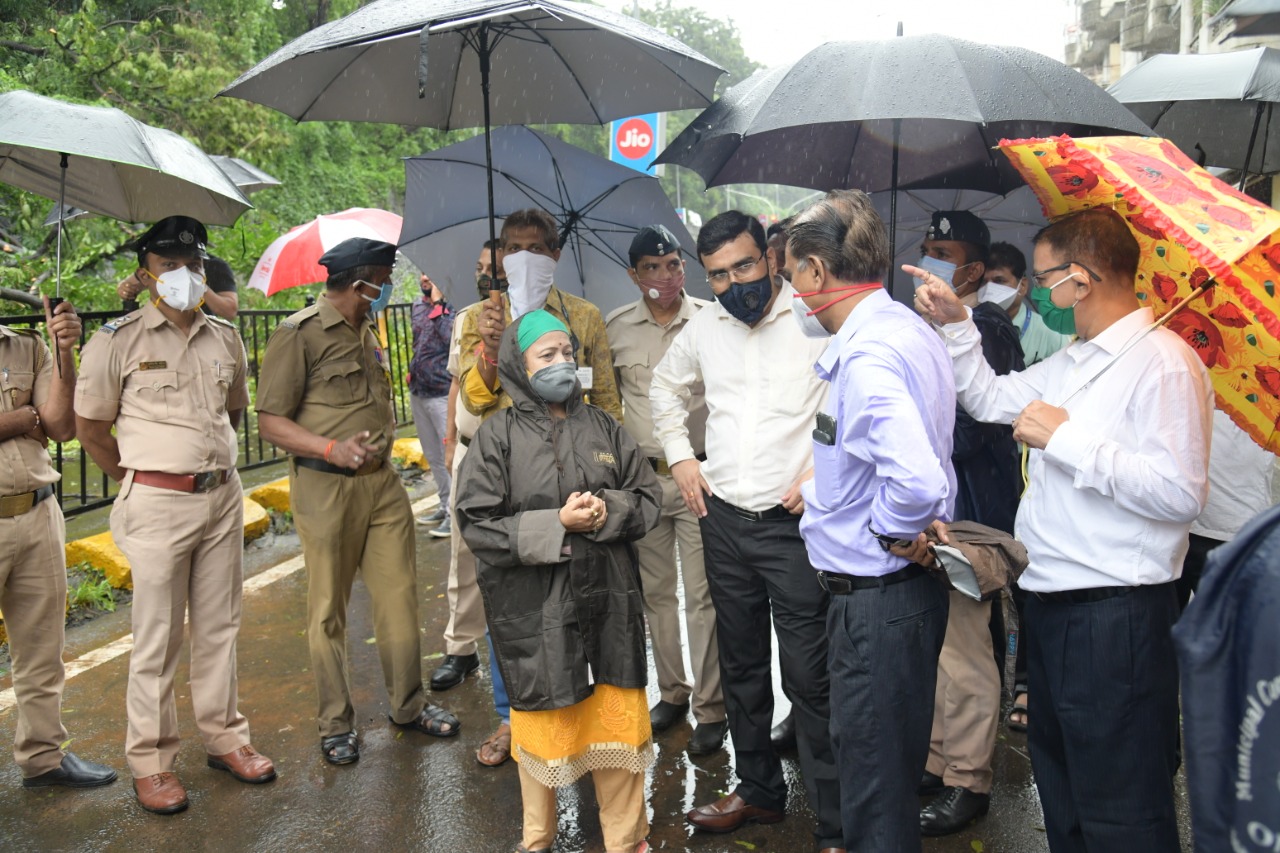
x=638, y=344
x=583, y=320
x=329, y=377
x=167, y=391
x=26, y=375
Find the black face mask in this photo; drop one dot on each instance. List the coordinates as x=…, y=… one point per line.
x=747, y=300
x=484, y=284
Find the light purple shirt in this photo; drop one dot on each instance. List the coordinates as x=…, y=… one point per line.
x=894, y=400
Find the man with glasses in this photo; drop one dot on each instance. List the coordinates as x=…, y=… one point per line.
x=762, y=394
x=1119, y=425
x=639, y=335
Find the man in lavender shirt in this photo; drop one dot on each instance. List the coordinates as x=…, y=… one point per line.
x=882, y=476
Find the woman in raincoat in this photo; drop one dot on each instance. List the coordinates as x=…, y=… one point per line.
x=553, y=494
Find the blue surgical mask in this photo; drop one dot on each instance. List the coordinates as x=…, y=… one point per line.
x=747, y=300
x=556, y=382
x=383, y=298
x=944, y=270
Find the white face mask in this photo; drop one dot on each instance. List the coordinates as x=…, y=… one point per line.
x=529, y=279
x=181, y=289
x=808, y=323
x=1001, y=294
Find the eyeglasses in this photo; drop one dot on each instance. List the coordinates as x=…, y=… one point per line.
x=1039, y=276
x=737, y=272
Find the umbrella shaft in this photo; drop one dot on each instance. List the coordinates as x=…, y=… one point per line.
x=483, y=41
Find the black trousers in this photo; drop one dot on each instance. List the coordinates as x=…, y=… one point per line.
x=884, y=669
x=754, y=568
x=1103, y=720
x=1198, y=548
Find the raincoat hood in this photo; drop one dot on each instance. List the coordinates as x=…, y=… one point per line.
x=515, y=379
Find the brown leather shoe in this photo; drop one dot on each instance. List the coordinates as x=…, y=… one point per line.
x=729, y=813
x=496, y=748
x=246, y=764
x=161, y=793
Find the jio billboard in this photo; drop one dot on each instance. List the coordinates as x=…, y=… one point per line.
x=636, y=141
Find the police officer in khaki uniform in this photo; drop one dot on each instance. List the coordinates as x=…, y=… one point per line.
x=324, y=396
x=171, y=380
x=639, y=335
x=36, y=405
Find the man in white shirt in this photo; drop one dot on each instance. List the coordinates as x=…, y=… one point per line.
x=762, y=396
x=1119, y=426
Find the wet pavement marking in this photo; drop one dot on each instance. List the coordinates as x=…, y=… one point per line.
x=105, y=654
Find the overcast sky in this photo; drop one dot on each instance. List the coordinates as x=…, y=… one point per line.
x=775, y=32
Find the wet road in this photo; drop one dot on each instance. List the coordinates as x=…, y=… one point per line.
x=408, y=792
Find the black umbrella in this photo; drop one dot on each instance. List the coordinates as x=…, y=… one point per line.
x=1216, y=107
x=1252, y=17
x=599, y=204
x=463, y=63
x=910, y=112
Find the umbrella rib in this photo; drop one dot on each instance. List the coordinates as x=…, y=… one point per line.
x=320, y=93
x=576, y=81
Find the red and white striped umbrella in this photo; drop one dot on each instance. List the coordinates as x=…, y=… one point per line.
x=294, y=258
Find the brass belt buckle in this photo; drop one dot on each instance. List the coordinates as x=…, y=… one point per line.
x=207, y=481
x=15, y=505
x=663, y=468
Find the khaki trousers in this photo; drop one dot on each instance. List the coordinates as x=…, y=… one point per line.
x=186, y=554
x=624, y=818
x=365, y=524
x=466, y=608
x=33, y=598
x=966, y=706
x=677, y=527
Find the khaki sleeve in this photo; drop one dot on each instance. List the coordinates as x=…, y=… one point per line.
x=282, y=381
x=42, y=360
x=100, y=381
x=604, y=392
x=238, y=393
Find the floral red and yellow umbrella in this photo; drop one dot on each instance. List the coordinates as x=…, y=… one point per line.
x=1193, y=230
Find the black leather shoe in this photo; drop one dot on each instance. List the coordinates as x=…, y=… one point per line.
x=930, y=785
x=783, y=734
x=453, y=670
x=75, y=772
x=953, y=810
x=666, y=714
x=707, y=738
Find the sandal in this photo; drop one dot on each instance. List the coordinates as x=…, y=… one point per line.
x=433, y=720
x=340, y=749
x=496, y=748
x=1016, y=725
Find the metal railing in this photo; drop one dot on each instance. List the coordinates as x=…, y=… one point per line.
x=84, y=486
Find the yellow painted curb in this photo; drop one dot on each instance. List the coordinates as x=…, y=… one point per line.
x=256, y=520
x=100, y=551
x=408, y=452
x=273, y=495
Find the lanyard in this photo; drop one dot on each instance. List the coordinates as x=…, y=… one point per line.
x=1026, y=323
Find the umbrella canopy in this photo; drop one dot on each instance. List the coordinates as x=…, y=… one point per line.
x=599, y=205
x=293, y=259
x=246, y=176
x=911, y=112
x=418, y=63
x=1014, y=218
x=115, y=165
x=1253, y=17
x=1218, y=108
x=1192, y=229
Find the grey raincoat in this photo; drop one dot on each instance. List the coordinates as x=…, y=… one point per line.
x=564, y=610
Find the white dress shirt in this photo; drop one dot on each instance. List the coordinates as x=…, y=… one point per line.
x=762, y=398
x=1242, y=481
x=1112, y=496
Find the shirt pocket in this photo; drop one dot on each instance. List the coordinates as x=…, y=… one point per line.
x=154, y=392
x=790, y=386
x=342, y=383
x=16, y=387
x=634, y=370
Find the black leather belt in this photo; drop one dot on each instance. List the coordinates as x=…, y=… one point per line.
x=1086, y=596
x=838, y=584
x=660, y=465
x=325, y=467
x=463, y=440
x=12, y=506
x=772, y=514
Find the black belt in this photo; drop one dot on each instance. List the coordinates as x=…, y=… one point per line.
x=838, y=584
x=325, y=467
x=1086, y=596
x=463, y=440
x=660, y=465
x=771, y=514
x=12, y=506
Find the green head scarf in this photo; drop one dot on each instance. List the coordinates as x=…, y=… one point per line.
x=534, y=325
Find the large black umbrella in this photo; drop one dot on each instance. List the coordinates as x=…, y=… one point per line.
x=910, y=112
x=465, y=63
x=1252, y=17
x=599, y=204
x=1218, y=107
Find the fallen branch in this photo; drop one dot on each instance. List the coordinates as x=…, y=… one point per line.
x=32, y=49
